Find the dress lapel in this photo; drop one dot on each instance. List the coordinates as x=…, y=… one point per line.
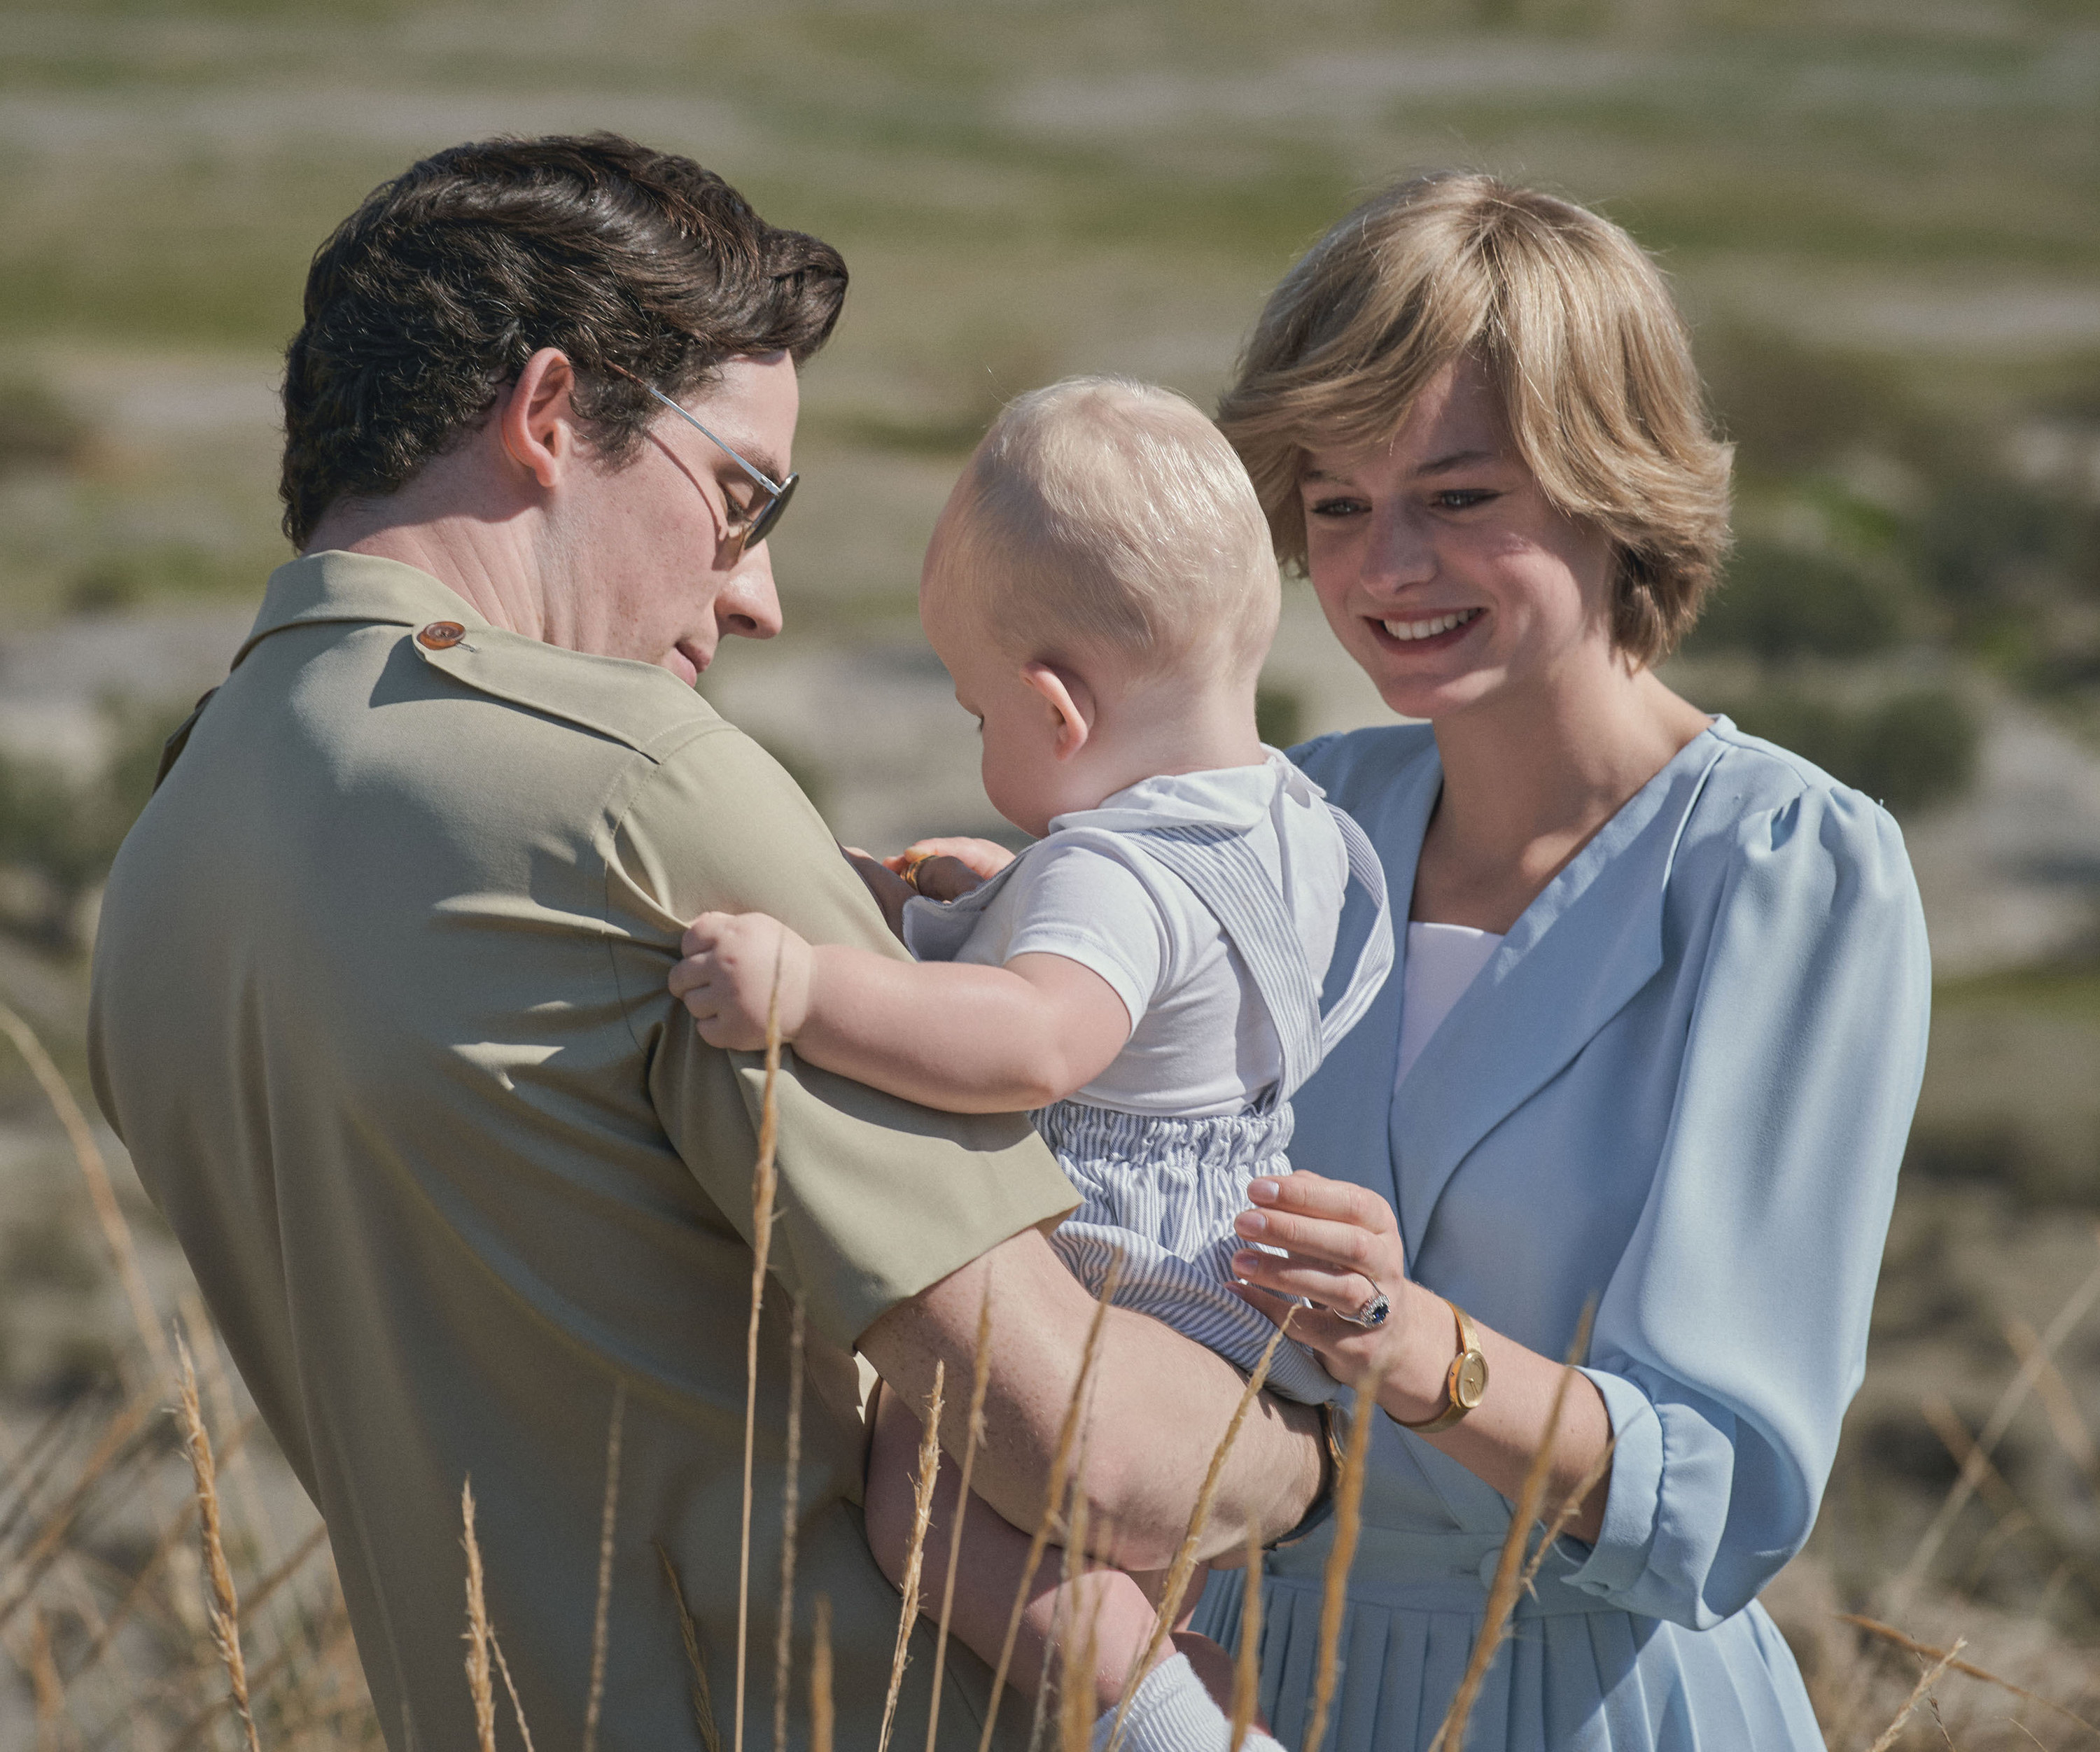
x=1591, y=939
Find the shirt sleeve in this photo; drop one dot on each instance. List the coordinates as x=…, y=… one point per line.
x=1075, y=902
x=1733, y=1333
x=877, y=1198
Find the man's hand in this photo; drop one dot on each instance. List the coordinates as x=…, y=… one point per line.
x=890, y=890
x=734, y=963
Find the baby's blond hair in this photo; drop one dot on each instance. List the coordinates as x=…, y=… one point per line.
x=1104, y=516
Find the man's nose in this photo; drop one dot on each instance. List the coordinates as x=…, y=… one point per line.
x=749, y=606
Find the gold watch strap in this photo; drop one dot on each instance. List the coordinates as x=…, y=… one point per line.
x=1458, y=1399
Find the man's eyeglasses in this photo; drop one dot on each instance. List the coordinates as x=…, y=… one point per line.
x=759, y=523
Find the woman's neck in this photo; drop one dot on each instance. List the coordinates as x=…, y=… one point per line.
x=1530, y=778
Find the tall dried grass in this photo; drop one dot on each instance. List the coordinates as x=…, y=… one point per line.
x=763, y=1189
x=973, y=1434
x=108, y=1654
x=225, y=1600
x=791, y=1495
x=1060, y=1464
x=914, y=1552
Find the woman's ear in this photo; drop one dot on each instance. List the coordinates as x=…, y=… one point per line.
x=538, y=424
x=1070, y=701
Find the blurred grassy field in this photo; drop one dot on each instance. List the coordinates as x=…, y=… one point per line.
x=1883, y=218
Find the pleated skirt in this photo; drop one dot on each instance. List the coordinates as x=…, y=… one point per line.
x=1580, y=1678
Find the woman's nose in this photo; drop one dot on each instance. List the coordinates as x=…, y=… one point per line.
x=1401, y=550
x=749, y=605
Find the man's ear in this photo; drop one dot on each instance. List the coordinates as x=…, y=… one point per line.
x=537, y=423
x=1069, y=699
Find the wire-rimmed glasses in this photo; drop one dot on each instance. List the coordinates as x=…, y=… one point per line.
x=757, y=525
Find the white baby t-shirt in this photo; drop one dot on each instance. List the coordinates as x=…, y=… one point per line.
x=1201, y=1043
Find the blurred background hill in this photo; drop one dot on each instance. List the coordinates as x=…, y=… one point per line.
x=1882, y=217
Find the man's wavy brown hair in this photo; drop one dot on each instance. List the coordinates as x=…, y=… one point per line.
x=433, y=293
x=1578, y=331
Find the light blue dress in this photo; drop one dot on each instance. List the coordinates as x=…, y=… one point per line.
x=1682, y=1087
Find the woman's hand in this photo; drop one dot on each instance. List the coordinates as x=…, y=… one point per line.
x=1342, y=1250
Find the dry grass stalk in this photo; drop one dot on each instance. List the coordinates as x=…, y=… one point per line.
x=1889, y=1633
x=1965, y=1486
x=115, y=1232
x=783, y=1641
x=259, y=1594
x=1183, y=1569
x=763, y=1187
x=1075, y=1688
x=1246, y=1664
x=120, y=1446
x=820, y=1677
x=1947, y=1423
x=235, y=1466
x=1342, y=1553
x=608, y=1520
x=1926, y=1681
x=178, y=1525
x=1571, y=1505
x=479, y=1682
x=225, y=1605
x=914, y=1552
x=1061, y=1461
x=1503, y=1592
x=510, y=1685
x=2066, y=1421
x=980, y=1383
x=1064, y=1629
x=703, y=1694
x=50, y=1694
x=332, y=1632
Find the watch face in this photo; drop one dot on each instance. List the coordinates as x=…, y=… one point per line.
x=1470, y=1384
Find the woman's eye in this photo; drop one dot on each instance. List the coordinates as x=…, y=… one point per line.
x=1462, y=498
x=1337, y=507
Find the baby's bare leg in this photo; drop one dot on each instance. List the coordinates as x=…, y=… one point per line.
x=995, y=1556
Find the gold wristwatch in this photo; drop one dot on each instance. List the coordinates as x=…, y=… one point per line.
x=1465, y=1385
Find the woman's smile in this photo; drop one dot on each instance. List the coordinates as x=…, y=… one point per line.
x=1426, y=632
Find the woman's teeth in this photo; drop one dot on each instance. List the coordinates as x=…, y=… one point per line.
x=1429, y=628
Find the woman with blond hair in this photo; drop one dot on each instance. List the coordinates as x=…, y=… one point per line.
x=1644, y=1070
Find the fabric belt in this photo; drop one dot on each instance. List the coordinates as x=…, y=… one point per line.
x=1435, y=1572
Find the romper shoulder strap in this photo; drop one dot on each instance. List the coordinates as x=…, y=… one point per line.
x=1221, y=866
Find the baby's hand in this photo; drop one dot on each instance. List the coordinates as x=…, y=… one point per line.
x=947, y=869
x=727, y=980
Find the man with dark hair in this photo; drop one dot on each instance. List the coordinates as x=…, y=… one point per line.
x=380, y=1004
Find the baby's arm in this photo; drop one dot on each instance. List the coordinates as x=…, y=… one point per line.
x=948, y=1035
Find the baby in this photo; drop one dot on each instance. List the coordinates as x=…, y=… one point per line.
x=1146, y=977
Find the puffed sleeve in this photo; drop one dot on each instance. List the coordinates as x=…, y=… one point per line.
x=1733, y=1333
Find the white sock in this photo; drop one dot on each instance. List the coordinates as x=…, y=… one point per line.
x=1173, y=1713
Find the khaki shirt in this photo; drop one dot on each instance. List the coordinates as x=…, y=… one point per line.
x=380, y=1013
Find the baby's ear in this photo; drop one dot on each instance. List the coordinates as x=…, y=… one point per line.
x=1071, y=703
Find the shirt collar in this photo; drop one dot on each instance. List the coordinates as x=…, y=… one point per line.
x=1232, y=796
x=335, y=585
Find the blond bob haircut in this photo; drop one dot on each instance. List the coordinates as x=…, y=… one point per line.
x=1103, y=516
x=1576, y=326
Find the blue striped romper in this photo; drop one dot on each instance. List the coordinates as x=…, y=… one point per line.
x=1160, y=1191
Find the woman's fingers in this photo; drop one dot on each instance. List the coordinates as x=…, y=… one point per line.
x=1331, y=1221
x=1348, y=1290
